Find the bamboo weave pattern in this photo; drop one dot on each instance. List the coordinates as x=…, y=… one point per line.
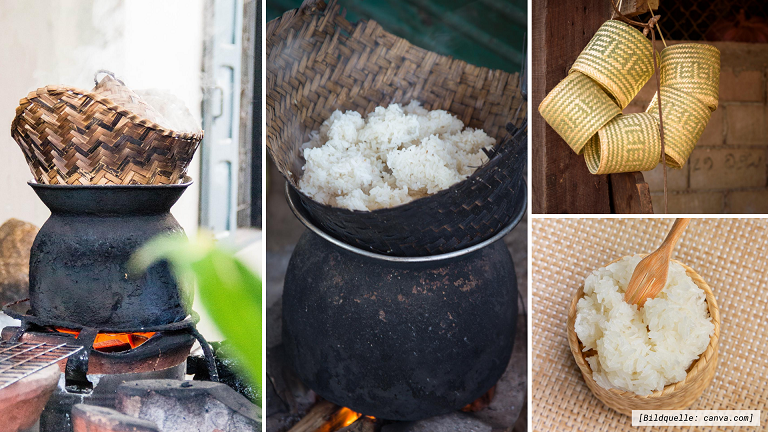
x=729, y=254
x=318, y=62
x=619, y=60
x=577, y=108
x=71, y=136
x=628, y=142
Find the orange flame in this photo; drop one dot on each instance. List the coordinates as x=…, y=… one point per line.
x=340, y=419
x=113, y=341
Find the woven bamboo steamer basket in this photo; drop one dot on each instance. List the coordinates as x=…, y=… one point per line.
x=679, y=395
x=625, y=144
x=693, y=68
x=319, y=62
x=74, y=136
x=577, y=108
x=685, y=118
x=619, y=58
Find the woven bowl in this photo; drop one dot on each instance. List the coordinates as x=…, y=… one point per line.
x=73, y=136
x=679, y=395
x=319, y=62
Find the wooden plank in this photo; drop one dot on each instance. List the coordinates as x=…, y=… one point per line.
x=630, y=8
x=561, y=182
x=630, y=194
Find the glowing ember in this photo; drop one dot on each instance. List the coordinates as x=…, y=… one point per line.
x=339, y=419
x=110, y=342
x=482, y=402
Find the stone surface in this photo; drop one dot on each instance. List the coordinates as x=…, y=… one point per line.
x=16, y=239
x=454, y=422
x=741, y=86
x=714, y=133
x=91, y=418
x=677, y=179
x=747, y=124
x=751, y=201
x=693, y=202
x=713, y=169
x=22, y=402
x=188, y=406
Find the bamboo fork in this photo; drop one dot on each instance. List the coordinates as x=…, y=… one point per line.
x=650, y=275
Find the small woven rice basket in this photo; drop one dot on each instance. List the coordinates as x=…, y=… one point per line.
x=679, y=395
x=74, y=136
x=318, y=62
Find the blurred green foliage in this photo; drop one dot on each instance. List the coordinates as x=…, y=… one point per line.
x=228, y=289
x=487, y=33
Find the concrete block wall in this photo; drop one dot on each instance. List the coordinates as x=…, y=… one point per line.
x=728, y=170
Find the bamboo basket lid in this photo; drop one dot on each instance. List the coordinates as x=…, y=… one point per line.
x=679, y=395
x=577, y=108
x=729, y=254
x=625, y=144
x=619, y=58
x=74, y=136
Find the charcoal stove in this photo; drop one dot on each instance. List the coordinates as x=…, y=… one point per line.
x=81, y=287
x=398, y=338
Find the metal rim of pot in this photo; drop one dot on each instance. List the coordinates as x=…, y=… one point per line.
x=186, y=181
x=303, y=216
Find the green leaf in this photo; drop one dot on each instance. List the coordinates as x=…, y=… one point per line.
x=229, y=290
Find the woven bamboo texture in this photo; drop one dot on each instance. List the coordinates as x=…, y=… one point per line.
x=619, y=61
x=729, y=254
x=577, y=108
x=627, y=143
x=318, y=62
x=690, y=83
x=679, y=395
x=72, y=136
x=619, y=58
x=694, y=69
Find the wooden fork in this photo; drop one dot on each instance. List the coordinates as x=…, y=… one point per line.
x=650, y=275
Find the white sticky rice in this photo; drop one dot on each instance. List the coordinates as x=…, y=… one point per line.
x=641, y=350
x=393, y=156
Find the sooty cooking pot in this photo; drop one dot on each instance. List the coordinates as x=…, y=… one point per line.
x=398, y=338
x=78, y=262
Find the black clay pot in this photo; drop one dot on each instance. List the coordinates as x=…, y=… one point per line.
x=398, y=338
x=78, y=263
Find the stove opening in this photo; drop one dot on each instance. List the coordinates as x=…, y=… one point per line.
x=339, y=419
x=112, y=342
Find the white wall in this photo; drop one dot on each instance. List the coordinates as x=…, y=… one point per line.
x=147, y=43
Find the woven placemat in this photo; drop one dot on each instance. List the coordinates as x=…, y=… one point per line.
x=729, y=254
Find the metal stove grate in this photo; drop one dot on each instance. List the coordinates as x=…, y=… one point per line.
x=18, y=360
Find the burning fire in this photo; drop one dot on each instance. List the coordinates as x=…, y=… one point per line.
x=339, y=419
x=112, y=342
